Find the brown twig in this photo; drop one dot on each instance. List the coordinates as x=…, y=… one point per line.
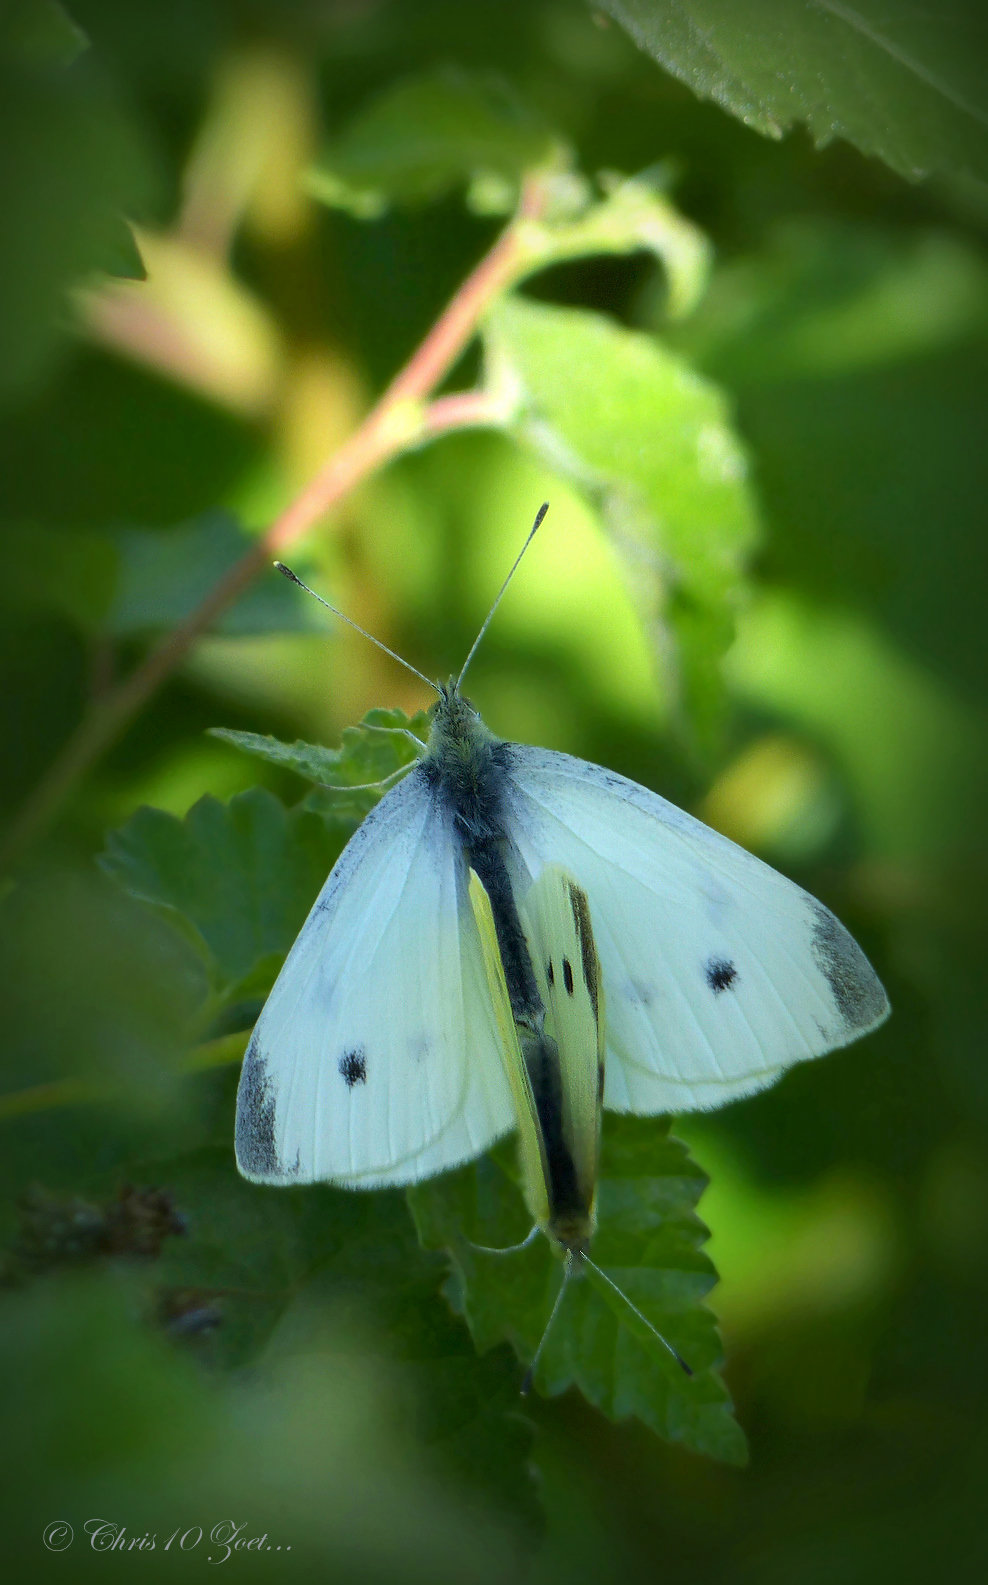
x=397, y=421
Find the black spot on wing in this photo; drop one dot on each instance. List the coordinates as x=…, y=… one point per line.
x=721, y=974
x=857, y=991
x=257, y=1154
x=550, y=973
x=353, y=1067
x=568, y=976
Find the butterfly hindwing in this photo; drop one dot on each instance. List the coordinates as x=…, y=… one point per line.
x=555, y=1068
x=531, y=1144
x=555, y=914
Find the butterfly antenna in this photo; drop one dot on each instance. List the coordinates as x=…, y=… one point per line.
x=294, y=578
x=635, y=1311
x=540, y=514
x=529, y=1377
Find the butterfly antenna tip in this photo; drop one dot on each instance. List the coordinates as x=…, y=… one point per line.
x=540, y=514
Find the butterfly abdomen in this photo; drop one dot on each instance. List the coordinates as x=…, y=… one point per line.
x=570, y=1220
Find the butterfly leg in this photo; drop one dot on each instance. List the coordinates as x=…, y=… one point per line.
x=509, y=1249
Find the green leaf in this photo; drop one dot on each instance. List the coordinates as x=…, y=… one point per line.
x=428, y=135
x=122, y=256
x=242, y=875
x=650, y=441
x=131, y=582
x=648, y=1242
x=71, y=949
x=621, y=215
x=370, y=752
x=164, y=573
x=905, y=83
x=99, y=997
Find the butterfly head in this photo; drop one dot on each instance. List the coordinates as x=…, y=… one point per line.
x=457, y=730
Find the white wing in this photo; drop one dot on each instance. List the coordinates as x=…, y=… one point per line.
x=376, y=1058
x=717, y=971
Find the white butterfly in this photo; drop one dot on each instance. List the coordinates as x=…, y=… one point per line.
x=378, y=1057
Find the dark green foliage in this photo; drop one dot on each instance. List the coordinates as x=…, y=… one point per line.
x=242, y=876
x=648, y=1242
x=74, y=164
x=149, y=1442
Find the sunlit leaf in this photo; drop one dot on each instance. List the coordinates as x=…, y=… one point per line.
x=650, y=442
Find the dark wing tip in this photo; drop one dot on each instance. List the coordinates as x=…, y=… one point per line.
x=256, y=1151
x=858, y=993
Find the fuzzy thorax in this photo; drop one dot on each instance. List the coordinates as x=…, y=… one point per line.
x=459, y=745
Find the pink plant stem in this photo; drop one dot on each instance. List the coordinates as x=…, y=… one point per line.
x=396, y=422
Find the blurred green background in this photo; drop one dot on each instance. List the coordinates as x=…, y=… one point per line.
x=845, y=319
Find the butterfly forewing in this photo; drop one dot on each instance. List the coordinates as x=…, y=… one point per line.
x=719, y=972
x=376, y=1058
